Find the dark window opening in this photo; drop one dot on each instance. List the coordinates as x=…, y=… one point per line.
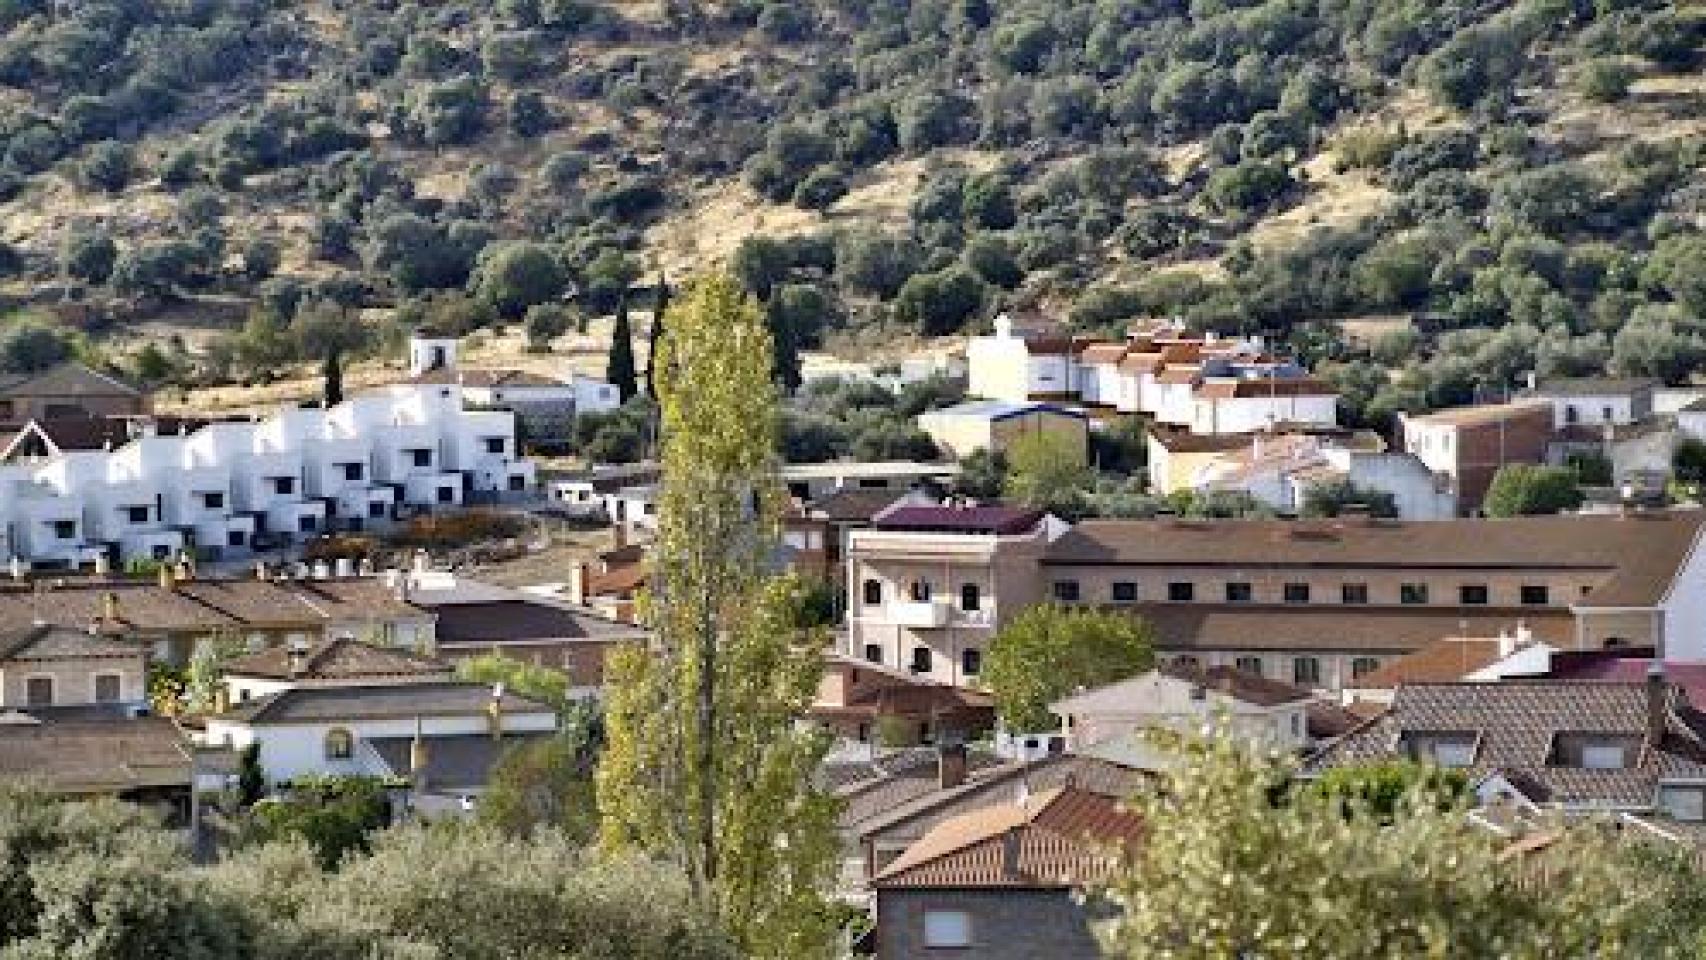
x=1124, y=591
x=1472, y=594
x=1066, y=591
x=1354, y=593
x=1297, y=593
x=1238, y=592
x=1413, y=593
x=1535, y=595
x=873, y=592
x=1181, y=592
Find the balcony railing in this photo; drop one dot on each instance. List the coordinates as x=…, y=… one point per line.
x=925, y=614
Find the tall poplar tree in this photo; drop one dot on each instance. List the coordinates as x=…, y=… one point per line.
x=660, y=303
x=619, y=371
x=708, y=763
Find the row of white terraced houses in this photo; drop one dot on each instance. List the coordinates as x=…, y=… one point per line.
x=227, y=488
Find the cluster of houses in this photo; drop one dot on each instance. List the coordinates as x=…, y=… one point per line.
x=1556, y=660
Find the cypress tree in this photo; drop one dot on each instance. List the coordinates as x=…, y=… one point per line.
x=658, y=307
x=620, y=370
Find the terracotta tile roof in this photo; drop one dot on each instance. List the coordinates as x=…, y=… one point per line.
x=1184, y=441
x=1143, y=362
x=49, y=642
x=1266, y=387
x=340, y=659
x=1130, y=695
x=141, y=606
x=871, y=790
x=1065, y=837
x=1242, y=684
x=1191, y=627
x=1484, y=413
x=1102, y=353
x=854, y=504
x=1516, y=726
x=86, y=757
x=991, y=519
x=620, y=580
x=1329, y=721
x=390, y=702
x=998, y=785
x=1177, y=375
x=1638, y=556
x=1184, y=351
x=1447, y=660
x=288, y=602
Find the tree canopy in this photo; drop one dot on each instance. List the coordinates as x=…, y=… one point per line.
x=1050, y=651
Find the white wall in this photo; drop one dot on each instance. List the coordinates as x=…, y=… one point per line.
x=1684, y=609
x=289, y=751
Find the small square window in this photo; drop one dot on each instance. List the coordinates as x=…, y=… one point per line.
x=1305, y=671
x=1066, y=591
x=1238, y=592
x=1472, y=594
x=947, y=929
x=921, y=660
x=421, y=457
x=971, y=597
x=376, y=510
x=1249, y=665
x=1413, y=593
x=136, y=514
x=284, y=486
x=213, y=501
x=495, y=445
x=235, y=538
x=1363, y=666
x=874, y=652
x=38, y=692
x=352, y=471
x=1124, y=591
x=1535, y=595
x=1181, y=592
x=1297, y=593
x=307, y=524
x=1354, y=593
x=446, y=495
x=518, y=483
x=108, y=688
x=971, y=661
x=65, y=529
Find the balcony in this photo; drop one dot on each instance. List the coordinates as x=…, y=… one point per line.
x=924, y=615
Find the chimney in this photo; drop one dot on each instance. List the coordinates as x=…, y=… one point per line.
x=261, y=570
x=1657, y=707
x=950, y=765
x=618, y=535
x=109, y=607
x=1010, y=853
x=17, y=568
x=495, y=712
x=298, y=658
x=580, y=574
x=418, y=759
x=168, y=582
x=103, y=565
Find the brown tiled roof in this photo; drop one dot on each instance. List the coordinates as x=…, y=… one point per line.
x=621, y=580
x=280, y=602
x=1143, y=362
x=85, y=757
x=1182, y=351
x=1242, y=684
x=194, y=605
x=1447, y=660
x=1516, y=724
x=1190, y=627
x=1102, y=353
x=67, y=379
x=141, y=606
x=1328, y=721
x=340, y=659
x=1484, y=413
x=486, y=378
x=882, y=786
x=1267, y=387
x=1060, y=838
x=1178, y=375
x=1638, y=555
x=1184, y=441
x=99, y=433
x=403, y=701
x=49, y=642
x=854, y=504
x=998, y=785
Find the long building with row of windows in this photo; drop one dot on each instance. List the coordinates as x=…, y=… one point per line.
x=1317, y=603
x=224, y=488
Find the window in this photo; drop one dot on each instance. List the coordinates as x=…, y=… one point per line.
x=1413, y=593
x=1603, y=756
x=340, y=744
x=494, y=444
x=971, y=661
x=1605, y=414
x=518, y=483
x=1472, y=594
x=1238, y=593
x=1683, y=803
x=1181, y=592
x=1305, y=671
x=65, y=529
x=873, y=592
x=136, y=514
x=1571, y=414
x=1447, y=748
x=1124, y=591
x=919, y=591
x=38, y=692
x=874, y=652
x=160, y=551
x=306, y=524
x=947, y=928
x=1535, y=595
x=921, y=660
x=1363, y=666
x=446, y=495
x=1066, y=591
x=1185, y=661
x=235, y=538
x=420, y=457
x=1249, y=665
x=1353, y=593
x=971, y=598
x=213, y=501
x=873, y=483
x=108, y=687
x=284, y=486
x=376, y=510
x=352, y=471
x=1297, y=593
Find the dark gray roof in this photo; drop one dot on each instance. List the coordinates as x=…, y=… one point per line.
x=397, y=701
x=72, y=756
x=52, y=642
x=517, y=620
x=453, y=763
x=1516, y=725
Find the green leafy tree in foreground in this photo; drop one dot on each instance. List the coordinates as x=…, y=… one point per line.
x=1234, y=865
x=1525, y=489
x=1051, y=651
x=709, y=764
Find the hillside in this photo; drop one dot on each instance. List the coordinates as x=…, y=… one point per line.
x=254, y=184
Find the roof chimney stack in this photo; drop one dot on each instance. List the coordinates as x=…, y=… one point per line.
x=951, y=764
x=168, y=582
x=495, y=712
x=1658, y=707
x=1010, y=853
x=298, y=657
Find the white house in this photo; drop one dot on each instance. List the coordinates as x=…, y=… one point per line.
x=1107, y=721
x=1021, y=362
x=443, y=736
x=545, y=407
x=303, y=471
x=814, y=481
x=1597, y=401
x=1282, y=470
